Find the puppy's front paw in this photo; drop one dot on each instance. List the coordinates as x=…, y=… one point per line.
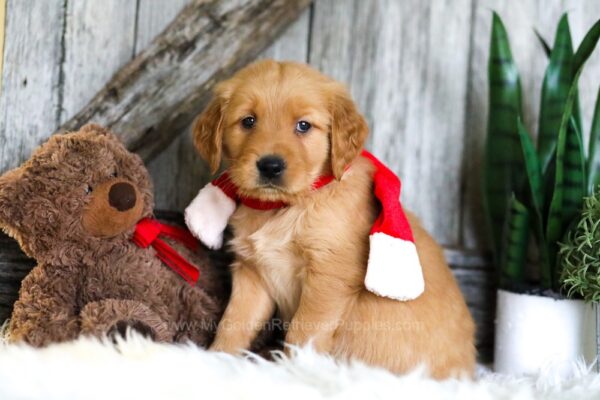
x=208, y=214
x=320, y=341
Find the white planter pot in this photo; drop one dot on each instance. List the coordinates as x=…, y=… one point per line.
x=535, y=332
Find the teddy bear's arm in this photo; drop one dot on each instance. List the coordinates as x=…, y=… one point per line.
x=47, y=309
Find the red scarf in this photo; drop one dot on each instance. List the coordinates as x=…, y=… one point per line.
x=147, y=233
x=393, y=269
x=228, y=187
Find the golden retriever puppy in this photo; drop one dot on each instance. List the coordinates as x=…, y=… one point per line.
x=280, y=126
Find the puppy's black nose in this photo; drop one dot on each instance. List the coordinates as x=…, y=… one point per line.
x=122, y=196
x=270, y=167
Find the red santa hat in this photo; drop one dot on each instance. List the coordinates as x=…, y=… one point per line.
x=393, y=269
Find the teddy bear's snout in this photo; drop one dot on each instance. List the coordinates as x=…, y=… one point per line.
x=115, y=207
x=122, y=196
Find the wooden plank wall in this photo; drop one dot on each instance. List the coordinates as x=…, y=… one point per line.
x=417, y=69
x=2, y=20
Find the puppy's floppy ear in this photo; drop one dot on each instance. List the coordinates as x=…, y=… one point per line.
x=348, y=131
x=208, y=133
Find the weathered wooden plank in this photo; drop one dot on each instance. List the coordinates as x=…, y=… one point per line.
x=29, y=101
x=14, y=266
x=406, y=65
x=582, y=15
x=152, y=18
x=155, y=96
x=178, y=172
x=478, y=287
x=2, y=22
x=520, y=18
x=99, y=39
x=478, y=284
x=466, y=258
x=292, y=45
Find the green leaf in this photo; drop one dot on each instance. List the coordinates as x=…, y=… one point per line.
x=569, y=189
x=515, y=243
x=545, y=45
x=556, y=218
x=574, y=173
x=532, y=167
x=555, y=88
x=536, y=199
x=593, y=166
x=585, y=49
x=503, y=162
x=554, y=225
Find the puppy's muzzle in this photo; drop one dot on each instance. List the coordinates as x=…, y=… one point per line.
x=270, y=167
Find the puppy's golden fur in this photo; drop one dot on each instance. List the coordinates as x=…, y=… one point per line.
x=309, y=260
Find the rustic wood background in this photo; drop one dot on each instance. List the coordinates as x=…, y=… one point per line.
x=416, y=68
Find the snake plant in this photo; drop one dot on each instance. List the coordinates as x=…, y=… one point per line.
x=535, y=192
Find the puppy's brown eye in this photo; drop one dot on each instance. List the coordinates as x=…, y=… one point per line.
x=88, y=189
x=303, y=126
x=249, y=122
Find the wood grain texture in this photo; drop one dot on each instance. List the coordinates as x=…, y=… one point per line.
x=178, y=172
x=158, y=94
x=478, y=287
x=99, y=39
x=31, y=76
x=520, y=18
x=406, y=65
x=14, y=266
x=152, y=18
x=2, y=22
x=292, y=45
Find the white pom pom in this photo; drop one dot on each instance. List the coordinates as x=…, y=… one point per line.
x=208, y=214
x=394, y=269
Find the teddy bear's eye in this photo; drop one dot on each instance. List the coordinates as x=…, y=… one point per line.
x=88, y=189
x=114, y=174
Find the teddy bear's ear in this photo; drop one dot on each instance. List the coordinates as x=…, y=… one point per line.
x=9, y=204
x=99, y=130
x=95, y=129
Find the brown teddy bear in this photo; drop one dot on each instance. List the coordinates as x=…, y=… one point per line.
x=82, y=208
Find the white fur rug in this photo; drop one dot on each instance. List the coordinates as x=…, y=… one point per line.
x=139, y=368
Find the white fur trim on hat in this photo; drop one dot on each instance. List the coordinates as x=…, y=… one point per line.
x=394, y=269
x=208, y=214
